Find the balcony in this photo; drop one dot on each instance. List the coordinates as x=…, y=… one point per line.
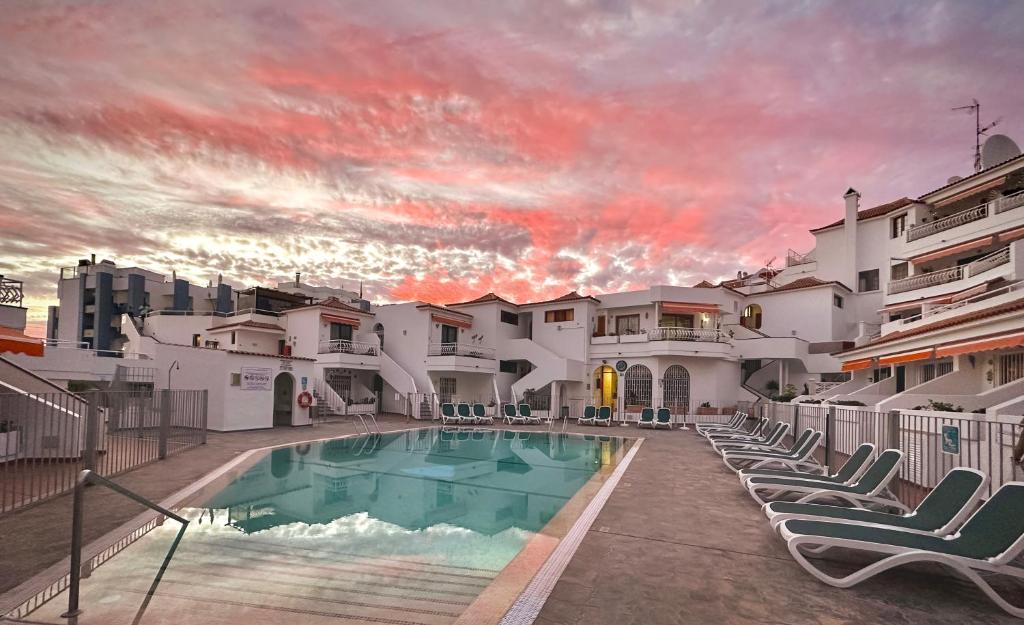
x=460, y=349
x=976, y=213
x=663, y=341
x=341, y=346
x=951, y=274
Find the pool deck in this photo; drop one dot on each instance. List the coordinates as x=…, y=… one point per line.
x=677, y=542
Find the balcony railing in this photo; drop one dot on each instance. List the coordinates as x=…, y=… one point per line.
x=340, y=346
x=921, y=231
x=952, y=274
x=975, y=213
x=794, y=258
x=687, y=334
x=460, y=349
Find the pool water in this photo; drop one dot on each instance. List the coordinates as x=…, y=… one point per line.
x=404, y=527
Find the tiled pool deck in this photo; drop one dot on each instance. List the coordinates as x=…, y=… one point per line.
x=677, y=542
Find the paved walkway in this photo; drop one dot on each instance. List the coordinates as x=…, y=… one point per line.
x=677, y=542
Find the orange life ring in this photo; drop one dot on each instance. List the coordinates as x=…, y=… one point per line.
x=305, y=399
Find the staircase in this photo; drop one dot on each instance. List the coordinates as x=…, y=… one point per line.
x=548, y=366
x=329, y=403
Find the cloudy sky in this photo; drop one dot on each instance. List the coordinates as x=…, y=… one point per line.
x=439, y=150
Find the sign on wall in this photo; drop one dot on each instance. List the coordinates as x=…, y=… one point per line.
x=951, y=439
x=621, y=366
x=257, y=379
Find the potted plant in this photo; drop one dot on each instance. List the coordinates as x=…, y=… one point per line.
x=8, y=440
x=706, y=408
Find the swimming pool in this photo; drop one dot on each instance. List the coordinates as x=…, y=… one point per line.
x=422, y=526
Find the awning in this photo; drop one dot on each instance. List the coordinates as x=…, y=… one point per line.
x=452, y=321
x=945, y=299
x=1010, y=235
x=896, y=359
x=688, y=308
x=1002, y=341
x=857, y=365
x=16, y=342
x=972, y=191
x=349, y=321
x=956, y=249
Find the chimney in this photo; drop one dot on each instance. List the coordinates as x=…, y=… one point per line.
x=297, y=276
x=852, y=198
x=92, y=259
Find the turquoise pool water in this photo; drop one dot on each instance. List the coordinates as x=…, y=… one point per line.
x=406, y=527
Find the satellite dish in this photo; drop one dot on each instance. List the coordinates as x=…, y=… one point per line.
x=998, y=149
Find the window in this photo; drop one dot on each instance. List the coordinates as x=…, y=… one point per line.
x=881, y=374
x=341, y=332
x=837, y=300
x=933, y=370
x=556, y=316
x=899, y=225
x=281, y=347
x=449, y=334
x=508, y=366
x=627, y=324
x=446, y=389
x=1010, y=367
x=867, y=281
x=509, y=317
x=232, y=337
x=676, y=321
x=899, y=271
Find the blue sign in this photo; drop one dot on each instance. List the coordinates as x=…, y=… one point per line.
x=304, y=381
x=951, y=439
x=621, y=365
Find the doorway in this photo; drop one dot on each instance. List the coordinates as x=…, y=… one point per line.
x=901, y=379
x=284, y=398
x=606, y=383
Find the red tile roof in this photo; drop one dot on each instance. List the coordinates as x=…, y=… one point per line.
x=703, y=284
x=955, y=182
x=870, y=213
x=977, y=315
x=572, y=296
x=483, y=299
x=805, y=283
x=332, y=302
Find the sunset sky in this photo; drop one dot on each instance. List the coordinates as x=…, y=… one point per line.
x=439, y=150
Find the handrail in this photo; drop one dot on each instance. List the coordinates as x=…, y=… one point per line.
x=959, y=218
x=685, y=334
x=345, y=346
x=964, y=302
x=87, y=477
x=460, y=349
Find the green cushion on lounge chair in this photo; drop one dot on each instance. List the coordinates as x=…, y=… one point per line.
x=845, y=473
x=524, y=410
x=448, y=410
x=463, y=410
x=957, y=489
x=589, y=412
x=664, y=415
x=509, y=410
x=868, y=482
x=647, y=415
x=479, y=412
x=604, y=413
x=991, y=531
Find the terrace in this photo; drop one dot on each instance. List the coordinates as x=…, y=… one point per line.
x=664, y=549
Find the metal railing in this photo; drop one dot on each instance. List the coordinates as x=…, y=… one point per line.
x=925, y=280
x=794, y=258
x=460, y=349
x=11, y=291
x=341, y=346
x=46, y=439
x=964, y=302
x=78, y=511
x=920, y=231
x=932, y=443
x=83, y=346
x=714, y=335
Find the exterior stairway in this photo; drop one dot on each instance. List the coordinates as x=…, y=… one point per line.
x=548, y=366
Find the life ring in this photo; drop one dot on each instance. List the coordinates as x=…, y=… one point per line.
x=305, y=399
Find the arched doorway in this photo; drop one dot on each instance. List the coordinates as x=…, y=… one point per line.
x=751, y=317
x=606, y=383
x=284, y=398
x=637, y=386
x=676, y=389
x=378, y=329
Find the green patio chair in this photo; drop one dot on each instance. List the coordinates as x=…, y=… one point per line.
x=480, y=414
x=604, y=416
x=849, y=473
x=589, y=414
x=448, y=414
x=465, y=414
x=646, y=418
x=511, y=416
x=526, y=413
x=664, y=419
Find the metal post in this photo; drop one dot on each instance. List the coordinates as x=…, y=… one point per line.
x=92, y=422
x=206, y=404
x=76, y=550
x=830, y=437
x=892, y=430
x=165, y=423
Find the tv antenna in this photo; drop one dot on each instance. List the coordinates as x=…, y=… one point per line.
x=979, y=130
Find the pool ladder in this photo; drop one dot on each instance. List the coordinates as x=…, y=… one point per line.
x=366, y=427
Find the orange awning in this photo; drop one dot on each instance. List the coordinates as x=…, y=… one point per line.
x=1002, y=341
x=16, y=342
x=452, y=321
x=349, y=321
x=857, y=365
x=956, y=249
x=895, y=359
x=688, y=308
